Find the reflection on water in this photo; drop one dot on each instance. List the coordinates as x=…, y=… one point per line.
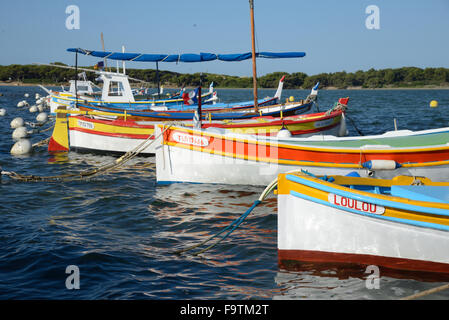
x=329, y=284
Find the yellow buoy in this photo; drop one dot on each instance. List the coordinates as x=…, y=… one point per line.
x=292, y=98
x=433, y=104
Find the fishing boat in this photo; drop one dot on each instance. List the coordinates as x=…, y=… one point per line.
x=234, y=111
x=99, y=133
x=214, y=155
x=146, y=110
x=399, y=223
x=82, y=86
x=117, y=92
x=122, y=97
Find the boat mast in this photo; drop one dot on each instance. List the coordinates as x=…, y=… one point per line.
x=251, y=8
x=76, y=79
x=123, y=62
x=104, y=60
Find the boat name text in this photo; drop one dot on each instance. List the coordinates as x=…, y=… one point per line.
x=86, y=125
x=189, y=139
x=355, y=204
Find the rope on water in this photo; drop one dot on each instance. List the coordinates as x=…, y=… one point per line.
x=233, y=225
x=90, y=172
x=354, y=125
x=45, y=130
x=426, y=292
x=41, y=143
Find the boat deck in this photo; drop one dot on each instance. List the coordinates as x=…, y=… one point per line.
x=388, y=140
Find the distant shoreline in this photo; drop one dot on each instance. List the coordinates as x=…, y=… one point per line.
x=429, y=87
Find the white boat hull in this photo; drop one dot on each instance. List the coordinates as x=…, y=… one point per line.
x=174, y=164
x=313, y=232
x=83, y=141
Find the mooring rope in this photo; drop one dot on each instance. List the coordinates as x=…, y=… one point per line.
x=354, y=125
x=41, y=143
x=46, y=129
x=426, y=292
x=237, y=222
x=233, y=225
x=90, y=172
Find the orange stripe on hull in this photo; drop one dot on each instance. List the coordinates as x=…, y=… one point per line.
x=243, y=149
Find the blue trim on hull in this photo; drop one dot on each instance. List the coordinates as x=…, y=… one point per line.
x=178, y=115
x=380, y=202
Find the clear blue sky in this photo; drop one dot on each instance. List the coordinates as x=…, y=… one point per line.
x=332, y=33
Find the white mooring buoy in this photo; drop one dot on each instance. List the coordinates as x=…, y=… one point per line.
x=42, y=117
x=2, y=112
x=17, y=122
x=19, y=133
x=21, y=147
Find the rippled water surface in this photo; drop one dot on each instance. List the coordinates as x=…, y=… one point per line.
x=121, y=229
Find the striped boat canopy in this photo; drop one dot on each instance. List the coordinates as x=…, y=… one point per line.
x=185, y=57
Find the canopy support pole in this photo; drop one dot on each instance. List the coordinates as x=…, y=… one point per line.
x=76, y=79
x=157, y=79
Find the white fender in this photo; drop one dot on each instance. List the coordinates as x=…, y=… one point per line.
x=381, y=165
x=284, y=133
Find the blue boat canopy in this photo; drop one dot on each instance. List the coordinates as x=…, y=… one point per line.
x=186, y=57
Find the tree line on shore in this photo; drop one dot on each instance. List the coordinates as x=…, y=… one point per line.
x=384, y=78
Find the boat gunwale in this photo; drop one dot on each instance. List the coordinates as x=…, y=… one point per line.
x=427, y=207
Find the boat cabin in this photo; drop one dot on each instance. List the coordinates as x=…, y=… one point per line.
x=116, y=88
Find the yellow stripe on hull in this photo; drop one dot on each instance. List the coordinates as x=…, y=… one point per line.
x=101, y=127
x=285, y=186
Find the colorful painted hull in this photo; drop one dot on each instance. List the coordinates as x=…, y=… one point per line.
x=396, y=223
x=103, y=135
x=215, y=156
x=240, y=112
x=108, y=136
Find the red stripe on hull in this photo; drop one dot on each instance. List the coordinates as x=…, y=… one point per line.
x=53, y=146
x=117, y=122
x=271, y=121
x=288, y=258
x=108, y=134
